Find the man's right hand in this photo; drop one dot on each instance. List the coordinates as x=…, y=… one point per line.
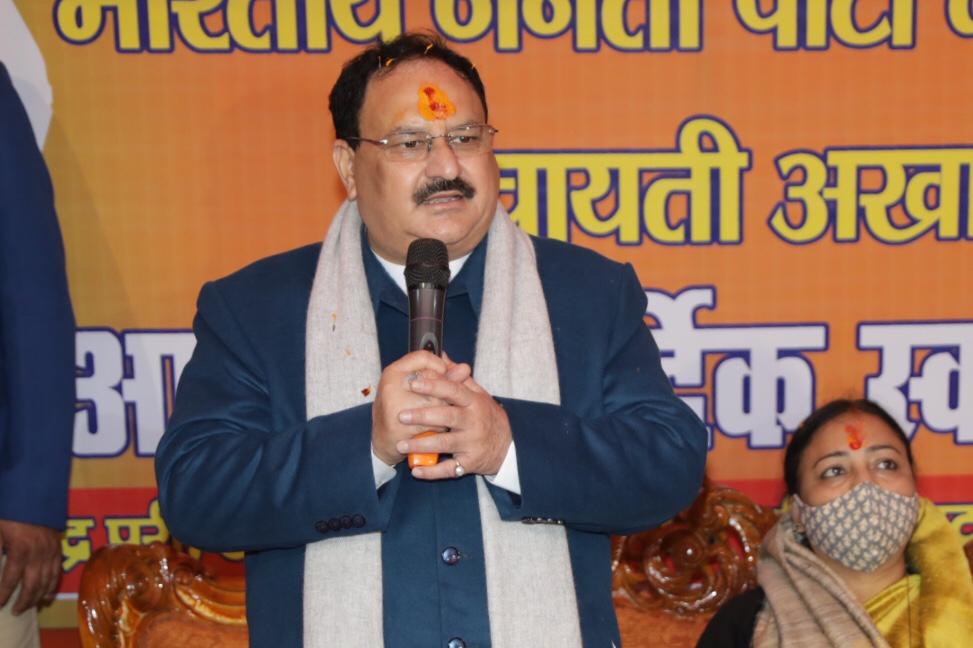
x=33, y=556
x=394, y=395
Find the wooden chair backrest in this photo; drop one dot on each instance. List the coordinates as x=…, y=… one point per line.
x=667, y=582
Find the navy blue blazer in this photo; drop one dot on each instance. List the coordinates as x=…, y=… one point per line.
x=36, y=331
x=240, y=467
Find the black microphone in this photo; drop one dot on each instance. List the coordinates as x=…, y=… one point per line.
x=426, y=277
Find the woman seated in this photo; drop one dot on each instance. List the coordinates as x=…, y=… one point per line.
x=858, y=559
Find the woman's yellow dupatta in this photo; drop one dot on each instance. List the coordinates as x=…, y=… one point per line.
x=936, y=605
x=895, y=612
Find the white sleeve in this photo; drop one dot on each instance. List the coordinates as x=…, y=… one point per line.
x=507, y=477
x=382, y=472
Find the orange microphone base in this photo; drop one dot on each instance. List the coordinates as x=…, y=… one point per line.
x=423, y=458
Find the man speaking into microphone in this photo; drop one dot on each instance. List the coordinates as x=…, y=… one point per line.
x=554, y=423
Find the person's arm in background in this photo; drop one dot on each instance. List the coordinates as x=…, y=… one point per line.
x=36, y=364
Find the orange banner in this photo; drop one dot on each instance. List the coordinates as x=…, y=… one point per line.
x=791, y=181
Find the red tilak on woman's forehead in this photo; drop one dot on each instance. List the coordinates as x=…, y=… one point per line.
x=854, y=436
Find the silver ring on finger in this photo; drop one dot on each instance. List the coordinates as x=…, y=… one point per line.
x=458, y=469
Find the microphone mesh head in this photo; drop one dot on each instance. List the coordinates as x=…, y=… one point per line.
x=427, y=262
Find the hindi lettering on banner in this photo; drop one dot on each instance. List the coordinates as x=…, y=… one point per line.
x=215, y=26
x=961, y=517
x=940, y=382
x=797, y=24
x=138, y=529
x=118, y=516
x=763, y=385
x=135, y=368
x=591, y=23
x=628, y=194
x=919, y=190
x=76, y=543
x=82, y=21
x=959, y=15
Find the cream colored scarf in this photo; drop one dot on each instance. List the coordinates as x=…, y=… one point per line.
x=514, y=358
x=807, y=605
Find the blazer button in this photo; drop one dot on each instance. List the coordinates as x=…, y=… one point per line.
x=358, y=520
x=321, y=526
x=345, y=521
x=334, y=524
x=456, y=642
x=450, y=555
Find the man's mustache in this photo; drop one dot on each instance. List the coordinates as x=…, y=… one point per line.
x=441, y=185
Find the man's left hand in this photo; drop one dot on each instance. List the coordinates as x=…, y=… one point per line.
x=33, y=561
x=479, y=435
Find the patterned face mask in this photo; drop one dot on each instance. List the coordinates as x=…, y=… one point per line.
x=861, y=529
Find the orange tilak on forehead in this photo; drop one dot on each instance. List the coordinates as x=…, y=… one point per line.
x=434, y=104
x=854, y=436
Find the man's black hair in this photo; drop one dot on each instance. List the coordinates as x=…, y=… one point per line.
x=348, y=93
x=819, y=418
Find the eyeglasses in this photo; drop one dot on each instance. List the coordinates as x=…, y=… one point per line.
x=471, y=139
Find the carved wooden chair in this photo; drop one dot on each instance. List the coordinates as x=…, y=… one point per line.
x=156, y=596
x=668, y=582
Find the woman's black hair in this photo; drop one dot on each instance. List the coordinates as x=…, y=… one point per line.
x=825, y=414
x=348, y=94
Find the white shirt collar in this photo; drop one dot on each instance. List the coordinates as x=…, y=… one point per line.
x=397, y=271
